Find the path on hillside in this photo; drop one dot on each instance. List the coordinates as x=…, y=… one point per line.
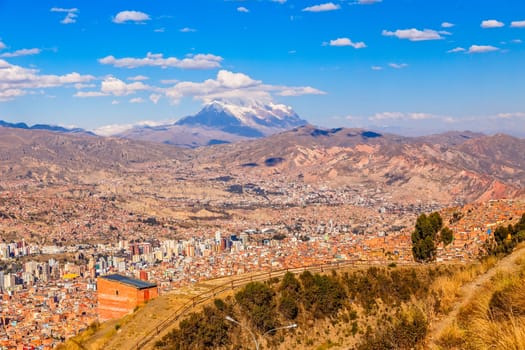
x=507, y=264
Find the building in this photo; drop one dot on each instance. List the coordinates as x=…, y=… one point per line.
x=118, y=295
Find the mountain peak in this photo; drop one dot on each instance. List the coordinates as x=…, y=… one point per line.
x=249, y=119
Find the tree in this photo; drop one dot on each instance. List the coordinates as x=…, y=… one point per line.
x=424, y=236
x=436, y=222
x=256, y=300
x=446, y=236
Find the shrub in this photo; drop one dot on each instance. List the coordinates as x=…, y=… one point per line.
x=207, y=329
x=288, y=307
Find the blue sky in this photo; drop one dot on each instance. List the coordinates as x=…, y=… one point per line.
x=416, y=66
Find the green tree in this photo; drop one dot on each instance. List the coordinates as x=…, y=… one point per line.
x=256, y=300
x=288, y=307
x=290, y=285
x=436, y=222
x=446, y=236
x=424, y=236
x=322, y=295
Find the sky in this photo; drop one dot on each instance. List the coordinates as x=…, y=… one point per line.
x=411, y=66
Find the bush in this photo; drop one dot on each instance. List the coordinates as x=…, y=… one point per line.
x=506, y=303
x=256, y=300
x=322, y=295
x=288, y=307
x=409, y=330
x=204, y=330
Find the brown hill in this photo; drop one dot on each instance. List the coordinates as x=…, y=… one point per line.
x=390, y=168
x=407, y=169
x=181, y=135
x=58, y=156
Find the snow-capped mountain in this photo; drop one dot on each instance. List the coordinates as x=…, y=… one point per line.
x=218, y=122
x=253, y=119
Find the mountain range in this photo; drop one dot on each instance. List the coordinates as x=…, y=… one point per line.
x=47, y=127
x=447, y=168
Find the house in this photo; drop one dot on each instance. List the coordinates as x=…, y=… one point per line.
x=119, y=295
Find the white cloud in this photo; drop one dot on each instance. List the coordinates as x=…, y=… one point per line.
x=376, y=68
x=414, y=34
x=187, y=30
x=329, y=6
x=2, y=45
x=232, y=80
x=199, y=61
x=80, y=86
x=515, y=115
x=116, y=87
x=115, y=102
x=60, y=9
x=242, y=9
x=114, y=129
x=138, y=78
x=347, y=42
x=131, y=16
x=234, y=87
x=299, y=91
x=447, y=25
x=482, y=48
x=90, y=94
x=517, y=41
x=137, y=100
x=368, y=2
x=22, y=52
x=457, y=49
x=16, y=80
x=70, y=18
x=491, y=23
x=10, y=94
x=159, y=30
x=398, y=65
x=401, y=116
x=169, y=81
x=279, y=1
x=155, y=98
x=71, y=14
x=517, y=24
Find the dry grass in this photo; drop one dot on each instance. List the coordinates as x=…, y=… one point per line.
x=448, y=288
x=483, y=323
x=452, y=337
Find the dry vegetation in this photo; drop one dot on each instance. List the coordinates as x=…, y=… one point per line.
x=494, y=317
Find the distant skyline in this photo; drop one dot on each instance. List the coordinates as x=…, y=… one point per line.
x=407, y=66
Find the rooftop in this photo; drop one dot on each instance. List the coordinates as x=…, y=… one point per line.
x=139, y=284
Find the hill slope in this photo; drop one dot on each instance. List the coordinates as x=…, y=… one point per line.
x=363, y=164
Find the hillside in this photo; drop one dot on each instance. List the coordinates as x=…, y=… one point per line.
x=402, y=168
x=52, y=156
x=397, y=169
x=394, y=307
x=416, y=306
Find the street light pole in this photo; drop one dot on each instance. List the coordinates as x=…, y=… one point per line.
x=293, y=325
x=231, y=319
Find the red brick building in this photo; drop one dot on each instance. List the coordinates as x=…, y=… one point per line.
x=119, y=295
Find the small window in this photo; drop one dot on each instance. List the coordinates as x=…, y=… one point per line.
x=116, y=292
